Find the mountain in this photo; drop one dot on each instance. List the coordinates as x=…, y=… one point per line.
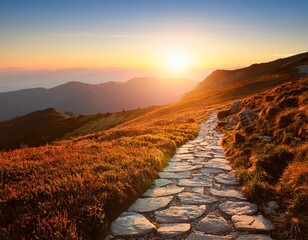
x=82, y=98
x=37, y=128
x=98, y=174
x=254, y=73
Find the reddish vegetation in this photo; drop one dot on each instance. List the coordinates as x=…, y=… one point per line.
x=74, y=188
x=278, y=169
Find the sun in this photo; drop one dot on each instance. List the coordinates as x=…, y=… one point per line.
x=177, y=60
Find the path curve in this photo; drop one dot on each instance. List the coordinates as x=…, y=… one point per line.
x=196, y=197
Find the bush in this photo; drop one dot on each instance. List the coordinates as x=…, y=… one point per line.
x=239, y=138
x=223, y=114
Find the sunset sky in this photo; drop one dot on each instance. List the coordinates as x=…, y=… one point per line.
x=149, y=34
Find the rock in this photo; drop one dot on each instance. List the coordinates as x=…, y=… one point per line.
x=171, y=175
x=178, y=214
x=201, y=236
x=195, y=183
x=247, y=117
x=257, y=138
x=217, y=164
x=252, y=223
x=162, y=182
x=195, y=198
x=199, y=190
x=228, y=193
x=202, y=175
x=269, y=208
x=227, y=178
x=213, y=223
x=238, y=208
x=211, y=170
x=254, y=237
x=163, y=191
x=131, y=225
x=235, y=107
x=232, y=120
x=173, y=230
x=181, y=168
x=150, y=204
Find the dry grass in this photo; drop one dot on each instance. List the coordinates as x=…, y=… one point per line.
x=276, y=170
x=74, y=188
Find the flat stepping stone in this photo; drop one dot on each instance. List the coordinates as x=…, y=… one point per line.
x=202, y=155
x=217, y=164
x=179, y=214
x=195, y=183
x=202, y=175
x=196, y=161
x=213, y=223
x=172, y=175
x=238, y=208
x=131, y=224
x=227, y=179
x=150, y=204
x=254, y=237
x=211, y=170
x=228, y=193
x=195, y=198
x=199, y=190
x=252, y=223
x=163, y=191
x=173, y=230
x=201, y=236
x=162, y=182
x=182, y=168
x=222, y=160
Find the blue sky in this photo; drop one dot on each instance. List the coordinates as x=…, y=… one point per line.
x=136, y=34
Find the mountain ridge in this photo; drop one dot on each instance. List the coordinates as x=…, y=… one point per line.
x=84, y=98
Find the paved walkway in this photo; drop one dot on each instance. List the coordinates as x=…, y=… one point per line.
x=196, y=197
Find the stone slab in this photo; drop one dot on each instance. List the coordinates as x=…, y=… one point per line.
x=150, y=204
x=179, y=214
x=172, y=175
x=131, y=225
x=201, y=236
x=195, y=198
x=163, y=191
x=169, y=231
x=213, y=223
x=195, y=183
x=228, y=193
x=252, y=223
x=238, y=208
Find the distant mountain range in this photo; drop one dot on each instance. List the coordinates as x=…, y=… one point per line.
x=82, y=98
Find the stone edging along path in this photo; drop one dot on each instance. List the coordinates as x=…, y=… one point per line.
x=196, y=197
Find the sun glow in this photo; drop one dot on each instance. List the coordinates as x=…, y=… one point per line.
x=177, y=60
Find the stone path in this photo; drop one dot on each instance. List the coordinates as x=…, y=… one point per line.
x=196, y=197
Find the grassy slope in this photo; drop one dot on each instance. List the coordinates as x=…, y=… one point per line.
x=74, y=188
x=276, y=170
x=45, y=126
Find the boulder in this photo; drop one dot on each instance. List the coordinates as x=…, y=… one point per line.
x=235, y=107
x=247, y=117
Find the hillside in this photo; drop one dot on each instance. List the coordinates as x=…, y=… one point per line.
x=74, y=188
x=255, y=72
x=269, y=152
x=45, y=126
x=81, y=98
